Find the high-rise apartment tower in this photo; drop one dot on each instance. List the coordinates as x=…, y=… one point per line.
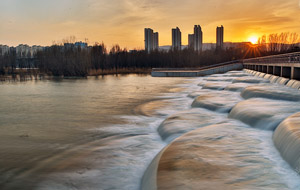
x=220, y=37
x=176, y=38
x=155, y=41
x=191, y=41
x=198, y=38
x=151, y=40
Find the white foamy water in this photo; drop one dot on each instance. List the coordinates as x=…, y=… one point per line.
x=103, y=134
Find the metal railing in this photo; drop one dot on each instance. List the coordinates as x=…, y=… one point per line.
x=198, y=68
x=281, y=58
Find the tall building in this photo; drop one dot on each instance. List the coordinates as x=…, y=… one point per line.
x=148, y=40
x=4, y=49
x=35, y=49
x=81, y=44
x=198, y=38
x=23, y=51
x=151, y=40
x=220, y=37
x=155, y=41
x=176, y=38
x=191, y=41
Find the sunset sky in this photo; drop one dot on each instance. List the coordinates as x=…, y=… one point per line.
x=40, y=22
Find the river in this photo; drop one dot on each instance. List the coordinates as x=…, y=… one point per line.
x=103, y=132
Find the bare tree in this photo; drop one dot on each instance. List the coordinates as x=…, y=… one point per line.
x=293, y=39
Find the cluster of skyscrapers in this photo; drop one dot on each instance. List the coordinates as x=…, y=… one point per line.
x=195, y=41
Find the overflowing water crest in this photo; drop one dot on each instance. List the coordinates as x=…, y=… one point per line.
x=103, y=133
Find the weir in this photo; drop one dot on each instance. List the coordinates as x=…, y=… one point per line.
x=283, y=65
x=251, y=111
x=276, y=79
x=287, y=140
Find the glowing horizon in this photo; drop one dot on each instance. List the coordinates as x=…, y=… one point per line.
x=253, y=39
x=40, y=22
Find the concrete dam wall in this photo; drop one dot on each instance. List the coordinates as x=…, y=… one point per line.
x=195, y=72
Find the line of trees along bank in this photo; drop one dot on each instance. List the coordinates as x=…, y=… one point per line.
x=58, y=60
x=79, y=62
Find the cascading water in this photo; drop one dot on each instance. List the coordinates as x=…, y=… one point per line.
x=287, y=140
x=214, y=150
x=104, y=133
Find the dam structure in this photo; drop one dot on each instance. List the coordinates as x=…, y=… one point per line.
x=240, y=129
x=197, y=72
x=283, y=65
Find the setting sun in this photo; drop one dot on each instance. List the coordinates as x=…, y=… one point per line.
x=253, y=39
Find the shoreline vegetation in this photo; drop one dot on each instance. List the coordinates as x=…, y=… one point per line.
x=67, y=60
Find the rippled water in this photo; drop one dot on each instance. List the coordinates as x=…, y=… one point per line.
x=89, y=134
x=102, y=133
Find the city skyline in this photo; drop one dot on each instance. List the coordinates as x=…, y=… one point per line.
x=42, y=22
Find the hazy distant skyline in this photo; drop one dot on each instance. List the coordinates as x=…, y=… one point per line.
x=39, y=22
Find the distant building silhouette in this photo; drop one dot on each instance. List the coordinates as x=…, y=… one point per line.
x=148, y=40
x=23, y=51
x=151, y=40
x=198, y=38
x=176, y=38
x=191, y=41
x=81, y=44
x=4, y=49
x=155, y=41
x=220, y=37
